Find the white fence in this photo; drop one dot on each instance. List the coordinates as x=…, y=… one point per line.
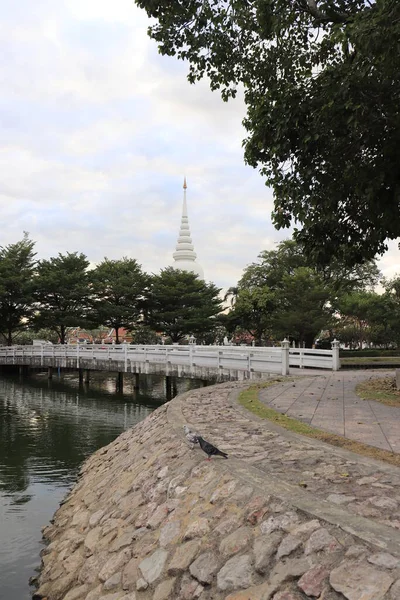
x=190, y=361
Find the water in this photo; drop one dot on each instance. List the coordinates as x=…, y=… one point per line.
x=47, y=429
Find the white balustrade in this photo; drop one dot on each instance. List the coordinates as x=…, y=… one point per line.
x=190, y=358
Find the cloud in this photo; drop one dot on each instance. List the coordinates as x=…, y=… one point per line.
x=98, y=130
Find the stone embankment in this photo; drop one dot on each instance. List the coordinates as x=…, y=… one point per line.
x=284, y=518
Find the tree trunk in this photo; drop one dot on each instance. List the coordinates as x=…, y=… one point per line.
x=116, y=335
x=9, y=336
x=62, y=334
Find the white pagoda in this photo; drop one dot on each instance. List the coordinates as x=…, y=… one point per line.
x=184, y=255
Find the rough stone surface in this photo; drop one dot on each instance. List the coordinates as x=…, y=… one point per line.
x=204, y=567
x=183, y=557
x=150, y=519
x=264, y=549
x=236, y=573
x=151, y=567
x=288, y=545
x=236, y=541
x=321, y=539
x=360, y=581
x=312, y=582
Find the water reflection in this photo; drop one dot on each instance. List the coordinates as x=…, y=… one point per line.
x=47, y=429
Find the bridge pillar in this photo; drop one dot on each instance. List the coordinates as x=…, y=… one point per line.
x=87, y=376
x=120, y=382
x=136, y=381
x=23, y=370
x=168, y=387
x=80, y=372
x=50, y=373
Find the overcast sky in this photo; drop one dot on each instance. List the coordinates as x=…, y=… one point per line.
x=97, y=132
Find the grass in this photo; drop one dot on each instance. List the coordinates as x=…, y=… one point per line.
x=370, y=360
x=249, y=400
x=380, y=389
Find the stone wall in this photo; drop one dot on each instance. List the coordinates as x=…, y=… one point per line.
x=151, y=519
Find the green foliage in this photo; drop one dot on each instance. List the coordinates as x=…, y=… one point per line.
x=181, y=304
x=285, y=294
x=369, y=317
x=144, y=335
x=17, y=265
x=62, y=293
x=322, y=93
x=120, y=287
x=25, y=337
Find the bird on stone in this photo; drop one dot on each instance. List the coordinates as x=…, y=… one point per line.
x=209, y=449
x=191, y=436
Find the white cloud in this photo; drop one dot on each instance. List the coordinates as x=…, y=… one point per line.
x=96, y=133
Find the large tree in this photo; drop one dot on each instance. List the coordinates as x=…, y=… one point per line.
x=299, y=296
x=62, y=293
x=17, y=265
x=322, y=89
x=120, y=287
x=182, y=304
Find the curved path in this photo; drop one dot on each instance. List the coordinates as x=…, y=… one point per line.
x=329, y=402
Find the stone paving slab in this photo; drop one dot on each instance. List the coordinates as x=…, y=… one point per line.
x=329, y=402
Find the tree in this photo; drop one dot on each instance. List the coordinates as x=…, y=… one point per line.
x=303, y=306
x=17, y=265
x=300, y=297
x=322, y=92
x=181, y=304
x=253, y=312
x=120, y=287
x=62, y=294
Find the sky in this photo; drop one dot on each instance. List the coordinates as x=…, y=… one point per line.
x=97, y=131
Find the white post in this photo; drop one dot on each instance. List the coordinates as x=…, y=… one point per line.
x=191, y=358
x=335, y=355
x=285, y=356
x=77, y=355
x=126, y=357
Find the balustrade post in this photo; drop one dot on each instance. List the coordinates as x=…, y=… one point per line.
x=126, y=357
x=77, y=356
x=191, y=358
x=335, y=355
x=285, y=356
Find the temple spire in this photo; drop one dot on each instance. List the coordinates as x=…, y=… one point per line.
x=184, y=255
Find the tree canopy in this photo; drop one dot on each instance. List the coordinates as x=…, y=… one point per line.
x=62, y=293
x=181, y=304
x=283, y=294
x=322, y=90
x=17, y=265
x=120, y=287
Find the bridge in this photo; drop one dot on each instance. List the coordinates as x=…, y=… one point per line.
x=216, y=363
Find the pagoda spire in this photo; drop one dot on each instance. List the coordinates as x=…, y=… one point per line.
x=184, y=255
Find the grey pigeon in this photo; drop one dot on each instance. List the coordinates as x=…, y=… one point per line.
x=191, y=436
x=209, y=449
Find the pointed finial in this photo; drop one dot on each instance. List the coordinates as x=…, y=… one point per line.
x=184, y=183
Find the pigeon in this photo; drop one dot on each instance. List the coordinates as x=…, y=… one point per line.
x=209, y=449
x=191, y=436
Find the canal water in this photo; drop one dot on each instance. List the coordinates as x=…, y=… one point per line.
x=47, y=429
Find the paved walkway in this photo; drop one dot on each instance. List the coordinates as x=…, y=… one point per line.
x=329, y=402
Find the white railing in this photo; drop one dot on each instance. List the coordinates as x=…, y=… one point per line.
x=191, y=358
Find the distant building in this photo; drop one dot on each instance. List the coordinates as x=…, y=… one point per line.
x=123, y=336
x=184, y=255
x=76, y=335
